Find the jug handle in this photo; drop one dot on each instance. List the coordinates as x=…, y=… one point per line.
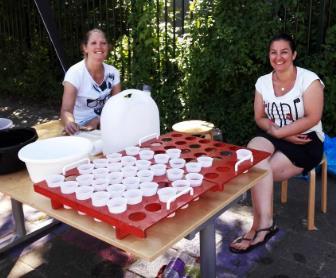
x=156, y=135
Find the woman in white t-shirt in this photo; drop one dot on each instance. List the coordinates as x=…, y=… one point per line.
x=88, y=85
x=288, y=107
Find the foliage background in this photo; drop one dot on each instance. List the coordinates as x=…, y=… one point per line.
x=201, y=58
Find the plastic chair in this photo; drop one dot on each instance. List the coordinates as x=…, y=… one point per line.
x=311, y=197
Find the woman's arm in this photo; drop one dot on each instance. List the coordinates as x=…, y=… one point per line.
x=313, y=108
x=259, y=113
x=68, y=104
x=116, y=89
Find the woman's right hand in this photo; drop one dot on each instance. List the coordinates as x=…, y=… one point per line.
x=71, y=128
x=299, y=139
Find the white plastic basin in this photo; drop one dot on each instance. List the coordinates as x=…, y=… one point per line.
x=49, y=156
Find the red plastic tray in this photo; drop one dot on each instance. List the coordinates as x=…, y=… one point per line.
x=138, y=218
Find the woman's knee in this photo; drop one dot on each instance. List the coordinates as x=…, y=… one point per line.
x=261, y=143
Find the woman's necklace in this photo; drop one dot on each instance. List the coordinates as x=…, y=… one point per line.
x=286, y=85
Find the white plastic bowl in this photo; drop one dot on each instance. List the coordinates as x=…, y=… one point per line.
x=129, y=171
x=116, y=189
x=5, y=123
x=113, y=157
x=49, y=156
x=243, y=154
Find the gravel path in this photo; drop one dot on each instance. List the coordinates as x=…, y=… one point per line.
x=25, y=114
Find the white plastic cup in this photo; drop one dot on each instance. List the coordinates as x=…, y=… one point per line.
x=100, y=184
x=158, y=169
x=100, y=171
x=100, y=163
x=100, y=198
x=129, y=171
x=145, y=175
x=84, y=192
x=116, y=189
x=142, y=164
x=180, y=185
x=54, y=180
x=166, y=193
x=243, y=154
x=133, y=196
x=131, y=182
x=177, y=163
x=206, y=161
x=84, y=180
x=113, y=157
x=85, y=168
x=117, y=205
x=132, y=150
x=115, y=177
x=148, y=188
x=195, y=179
x=161, y=158
x=193, y=167
x=174, y=174
x=128, y=160
x=69, y=187
x=146, y=154
x=174, y=153
x=114, y=166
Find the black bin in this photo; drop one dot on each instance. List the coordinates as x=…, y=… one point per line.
x=11, y=141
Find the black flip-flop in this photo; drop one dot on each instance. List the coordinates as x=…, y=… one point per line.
x=272, y=230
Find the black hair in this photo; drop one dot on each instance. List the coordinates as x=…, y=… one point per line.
x=283, y=37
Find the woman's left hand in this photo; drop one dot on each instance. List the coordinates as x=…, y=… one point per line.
x=299, y=139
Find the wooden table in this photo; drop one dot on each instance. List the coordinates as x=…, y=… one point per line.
x=199, y=216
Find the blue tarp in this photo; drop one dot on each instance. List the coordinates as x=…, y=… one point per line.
x=330, y=151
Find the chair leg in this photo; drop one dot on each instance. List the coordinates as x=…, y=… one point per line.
x=324, y=186
x=311, y=201
x=284, y=188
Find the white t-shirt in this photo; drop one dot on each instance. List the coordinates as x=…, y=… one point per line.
x=286, y=109
x=91, y=96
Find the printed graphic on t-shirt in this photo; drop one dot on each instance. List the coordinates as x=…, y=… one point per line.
x=103, y=89
x=282, y=113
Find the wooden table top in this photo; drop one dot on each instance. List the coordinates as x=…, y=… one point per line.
x=160, y=237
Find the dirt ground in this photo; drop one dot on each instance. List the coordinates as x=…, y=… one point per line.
x=26, y=114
